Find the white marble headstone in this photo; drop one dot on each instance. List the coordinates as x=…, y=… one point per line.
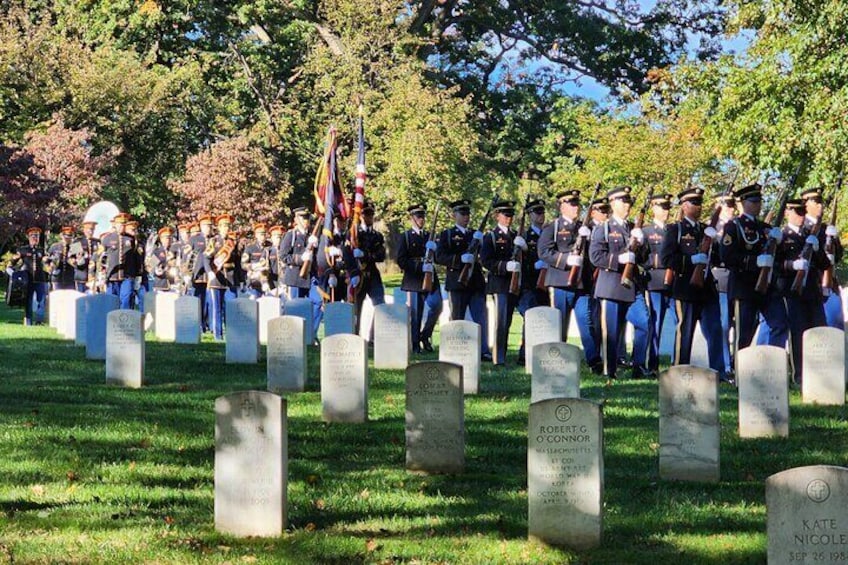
x=542, y=324
x=339, y=318
x=302, y=308
x=459, y=342
x=391, y=336
x=125, y=348
x=242, y=331
x=165, y=323
x=251, y=464
x=270, y=307
x=344, y=378
x=98, y=309
x=287, y=356
x=435, y=418
x=187, y=309
x=823, y=367
x=763, y=391
x=556, y=371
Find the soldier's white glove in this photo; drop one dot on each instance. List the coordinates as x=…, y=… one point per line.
x=638, y=235
x=765, y=261
x=306, y=256
x=627, y=257
x=312, y=240
x=539, y=265
x=467, y=258
x=136, y=283
x=710, y=232
x=10, y=271
x=776, y=234
x=478, y=235
x=358, y=253
x=800, y=265
x=584, y=231
x=334, y=251
x=332, y=281
x=813, y=242
x=520, y=242
x=354, y=281
x=427, y=268
x=513, y=266
x=700, y=259
x=830, y=231
x=574, y=260
x=430, y=246
x=832, y=258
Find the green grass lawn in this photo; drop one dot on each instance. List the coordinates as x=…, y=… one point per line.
x=91, y=473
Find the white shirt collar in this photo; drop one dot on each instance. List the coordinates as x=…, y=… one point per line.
x=461, y=229
x=749, y=216
x=794, y=228
x=692, y=223
x=617, y=220
x=659, y=224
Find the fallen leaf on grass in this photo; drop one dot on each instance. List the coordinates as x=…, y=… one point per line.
x=310, y=527
x=370, y=545
x=169, y=520
x=364, y=494
x=224, y=548
x=654, y=446
x=144, y=443
x=248, y=559
x=37, y=490
x=320, y=504
x=312, y=479
x=72, y=476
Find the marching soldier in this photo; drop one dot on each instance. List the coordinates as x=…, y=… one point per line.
x=182, y=233
x=453, y=252
x=413, y=246
x=163, y=261
x=681, y=252
x=721, y=274
x=371, y=250
x=814, y=208
x=496, y=254
x=30, y=259
x=119, y=255
x=223, y=272
x=58, y=261
x=610, y=251
x=659, y=297
x=256, y=261
x=556, y=248
x=804, y=308
x=743, y=252
x=531, y=267
x=84, y=258
x=198, y=241
x=276, y=233
x=296, y=249
x=598, y=214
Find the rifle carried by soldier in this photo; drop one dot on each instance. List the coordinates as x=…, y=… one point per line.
x=474, y=247
x=517, y=255
x=627, y=273
x=698, y=274
x=775, y=220
x=427, y=281
x=800, y=280
x=580, y=244
x=311, y=246
x=829, y=282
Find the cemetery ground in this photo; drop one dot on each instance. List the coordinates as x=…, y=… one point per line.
x=94, y=473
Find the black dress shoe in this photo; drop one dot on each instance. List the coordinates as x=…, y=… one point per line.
x=486, y=357
x=426, y=345
x=639, y=373
x=521, y=361
x=622, y=362
x=597, y=368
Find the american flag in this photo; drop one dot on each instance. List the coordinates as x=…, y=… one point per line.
x=329, y=202
x=359, y=193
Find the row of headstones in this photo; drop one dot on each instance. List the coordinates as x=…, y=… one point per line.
x=807, y=514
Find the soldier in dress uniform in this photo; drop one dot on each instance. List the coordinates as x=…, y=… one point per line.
x=804, y=309
x=162, y=261
x=297, y=247
x=182, y=233
x=58, y=261
x=453, y=252
x=414, y=243
x=598, y=214
x=141, y=279
x=224, y=274
x=496, y=255
x=30, y=259
x=721, y=274
x=531, y=267
x=84, y=258
x=276, y=233
x=610, y=251
x=556, y=249
x=336, y=263
x=256, y=261
x=119, y=255
x=658, y=295
x=681, y=253
x=743, y=252
x=814, y=206
x=371, y=250
x=198, y=242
